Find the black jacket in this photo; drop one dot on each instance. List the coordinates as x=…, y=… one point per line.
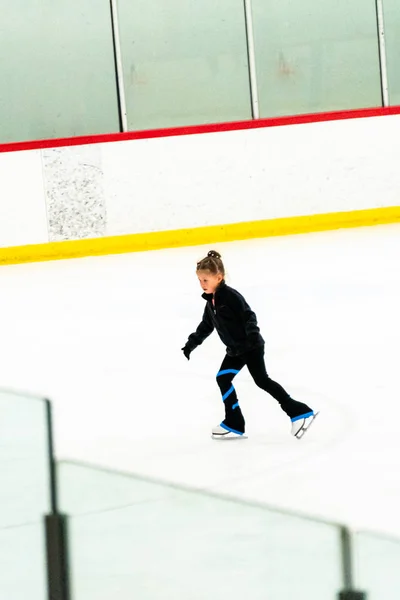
x=232, y=317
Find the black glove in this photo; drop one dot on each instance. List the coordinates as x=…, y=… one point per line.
x=186, y=351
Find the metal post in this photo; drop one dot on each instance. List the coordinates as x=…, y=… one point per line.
x=119, y=65
x=348, y=592
x=382, y=52
x=252, y=59
x=56, y=529
x=347, y=558
x=52, y=462
x=57, y=557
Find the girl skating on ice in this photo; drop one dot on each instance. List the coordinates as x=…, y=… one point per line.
x=236, y=324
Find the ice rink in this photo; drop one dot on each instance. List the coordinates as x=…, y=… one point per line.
x=101, y=337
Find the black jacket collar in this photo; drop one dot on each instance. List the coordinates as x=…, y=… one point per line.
x=219, y=289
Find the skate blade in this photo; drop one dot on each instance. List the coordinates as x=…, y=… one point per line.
x=228, y=436
x=300, y=434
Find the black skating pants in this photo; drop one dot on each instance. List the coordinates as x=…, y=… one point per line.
x=254, y=360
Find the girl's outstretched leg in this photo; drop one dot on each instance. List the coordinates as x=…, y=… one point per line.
x=234, y=421
x=297, y=411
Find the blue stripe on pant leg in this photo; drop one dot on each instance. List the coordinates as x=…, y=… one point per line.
x=235, y=405
x=228, y=393
x=227, y=371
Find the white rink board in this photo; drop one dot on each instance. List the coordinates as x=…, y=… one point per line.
x=203, y=179
x=209, y=179
x=23, y=218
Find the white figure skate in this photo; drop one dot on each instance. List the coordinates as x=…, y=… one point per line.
x=222, y=432
x=301, y=424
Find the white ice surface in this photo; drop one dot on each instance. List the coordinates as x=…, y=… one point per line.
x=102, y=336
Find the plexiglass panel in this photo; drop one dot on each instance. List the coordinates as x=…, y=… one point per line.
x=184, y=62
x=24, y=497
x=316, y=56
x=378, y=566
x=135, y=539
x=57, y=69
x=391, y=9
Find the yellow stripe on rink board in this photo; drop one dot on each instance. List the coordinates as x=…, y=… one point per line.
x=140, y=242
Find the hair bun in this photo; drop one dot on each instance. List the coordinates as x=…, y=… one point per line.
x=213, y=254
x=212, y=263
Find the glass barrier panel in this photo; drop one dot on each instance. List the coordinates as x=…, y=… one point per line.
x=184, y=62
x=57, y=69
x=316, y=56
x=24, y=497
x=131, y=538
x=377, y=563
x=391, y=10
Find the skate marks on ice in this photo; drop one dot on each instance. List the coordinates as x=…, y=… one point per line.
x=270, y=447
x=184, y=453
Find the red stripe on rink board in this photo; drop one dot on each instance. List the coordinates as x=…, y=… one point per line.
x=199, y=129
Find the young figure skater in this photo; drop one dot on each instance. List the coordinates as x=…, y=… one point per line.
x=228, y=312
